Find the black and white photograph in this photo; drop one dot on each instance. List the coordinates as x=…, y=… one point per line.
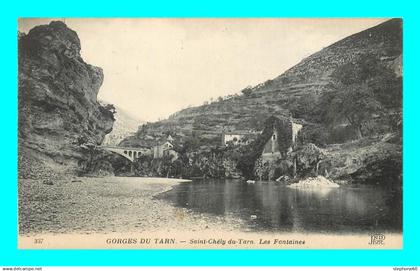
x=210, y=133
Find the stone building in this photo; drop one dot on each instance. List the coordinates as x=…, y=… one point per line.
x=283, y=134
x=160, y=149
x=238, y=138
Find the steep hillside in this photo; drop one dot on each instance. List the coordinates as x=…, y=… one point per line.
x=311, y=92
x=59, y=115
x=124, y=126
x=348, y=97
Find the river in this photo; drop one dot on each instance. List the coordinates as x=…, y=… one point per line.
x=132, y=204
x=269, y=206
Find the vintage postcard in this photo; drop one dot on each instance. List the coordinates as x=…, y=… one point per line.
x=227, y=133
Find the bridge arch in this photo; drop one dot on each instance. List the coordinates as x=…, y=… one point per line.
x=129, y=153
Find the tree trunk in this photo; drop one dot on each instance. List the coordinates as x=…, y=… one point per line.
x=359, y=132
x=358, y=127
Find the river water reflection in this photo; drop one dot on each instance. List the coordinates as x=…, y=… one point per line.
x=270, y=206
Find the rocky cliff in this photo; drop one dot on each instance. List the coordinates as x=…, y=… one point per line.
x=60, y=119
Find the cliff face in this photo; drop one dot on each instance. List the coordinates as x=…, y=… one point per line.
x=59, y=115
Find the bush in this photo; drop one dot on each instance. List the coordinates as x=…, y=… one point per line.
x=342, y=134
x=316, y=134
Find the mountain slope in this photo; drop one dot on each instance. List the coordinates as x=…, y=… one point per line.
x=307, y=91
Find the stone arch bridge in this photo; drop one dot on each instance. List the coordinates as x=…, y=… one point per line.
x=127, y=152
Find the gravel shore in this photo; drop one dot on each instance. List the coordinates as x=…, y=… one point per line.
x=107, y=205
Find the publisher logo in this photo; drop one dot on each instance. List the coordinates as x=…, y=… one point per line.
x=377, y=239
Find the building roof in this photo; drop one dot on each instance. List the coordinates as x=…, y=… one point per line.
x=238, y=133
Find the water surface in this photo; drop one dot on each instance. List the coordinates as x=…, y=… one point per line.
x=269, y=206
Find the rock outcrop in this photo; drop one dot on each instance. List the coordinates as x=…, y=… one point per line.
x=314, y=182
x=370, y=160
x=60, y=119
x=125, y=125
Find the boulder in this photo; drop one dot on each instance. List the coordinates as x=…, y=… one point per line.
x=315, y=182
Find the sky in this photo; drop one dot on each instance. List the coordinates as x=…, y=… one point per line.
x=154, y=67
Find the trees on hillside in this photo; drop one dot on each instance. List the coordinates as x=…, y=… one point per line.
x=364, y=89
x=356, y=103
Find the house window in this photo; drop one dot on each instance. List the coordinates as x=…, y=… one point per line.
x=274, y=137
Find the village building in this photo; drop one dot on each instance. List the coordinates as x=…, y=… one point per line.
x=165, y=148
x=236, y=138
x=160, y=148
x=283, y=134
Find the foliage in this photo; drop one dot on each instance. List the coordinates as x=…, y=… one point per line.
x=314, y=133
x=356, y=104
x=341, y=134
x=304, y=106
x=247, y=91
x=108, y=110
x=363, y=89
